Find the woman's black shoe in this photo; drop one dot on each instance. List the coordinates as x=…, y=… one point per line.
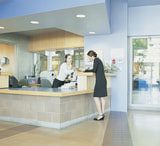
x=99, y=118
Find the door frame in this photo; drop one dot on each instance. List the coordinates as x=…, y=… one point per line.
x=130, y=72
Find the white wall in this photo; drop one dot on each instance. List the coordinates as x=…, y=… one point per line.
x=116, y=41
x=98, y=43
x=144, y=20
x=24, y=59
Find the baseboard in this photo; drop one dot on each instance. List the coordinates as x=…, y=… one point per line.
x=48, y=124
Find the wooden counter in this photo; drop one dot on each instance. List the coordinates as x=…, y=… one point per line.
x=93, y=74
x=48, y=107
x=48, y=92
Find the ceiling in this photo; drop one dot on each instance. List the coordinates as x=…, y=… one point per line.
x=96, y=20
x=136, y=3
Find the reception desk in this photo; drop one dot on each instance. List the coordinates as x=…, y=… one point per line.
x=86, y=80
x=54, y=108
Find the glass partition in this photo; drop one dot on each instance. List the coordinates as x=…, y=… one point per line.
x=40, y=63
x=51, y=60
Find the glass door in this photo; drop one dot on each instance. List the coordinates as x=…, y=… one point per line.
x=145, y=79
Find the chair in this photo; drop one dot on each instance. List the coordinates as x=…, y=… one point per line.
x=24, y=82
x=13, y=82
x=139, y=84
x=46, y=83
x=49, y=75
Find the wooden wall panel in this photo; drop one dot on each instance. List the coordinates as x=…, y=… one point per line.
x=9, y=52
x=55, y=41
x=73, y=41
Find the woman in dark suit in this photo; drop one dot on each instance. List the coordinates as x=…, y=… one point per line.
x=100, y=89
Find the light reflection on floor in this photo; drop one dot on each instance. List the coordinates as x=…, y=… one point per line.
x=144, y=128
x=150, y=96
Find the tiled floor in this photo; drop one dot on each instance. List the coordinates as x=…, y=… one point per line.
x=89, y=133
x=117, y=132
x=149, y=96
x=144, y=128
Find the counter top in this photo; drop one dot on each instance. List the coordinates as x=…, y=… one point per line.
x=85, y=73
x=5, y=74
x=92, y=74
x=39, y=91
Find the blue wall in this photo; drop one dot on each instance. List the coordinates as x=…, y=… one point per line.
x=116, y=41
x=13, y=8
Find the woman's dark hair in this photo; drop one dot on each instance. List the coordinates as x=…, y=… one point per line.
x=92, y=53
x=66, y=56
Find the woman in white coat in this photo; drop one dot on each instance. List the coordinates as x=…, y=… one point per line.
x=66, y=72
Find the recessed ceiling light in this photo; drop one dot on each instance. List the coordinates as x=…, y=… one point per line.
x=1, y=27
x=80, y=16
x=92, y=32
x=34, y=22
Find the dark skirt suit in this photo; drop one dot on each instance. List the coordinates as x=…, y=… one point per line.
x=100, y=89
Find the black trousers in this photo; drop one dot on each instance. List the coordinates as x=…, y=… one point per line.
x=57, y=83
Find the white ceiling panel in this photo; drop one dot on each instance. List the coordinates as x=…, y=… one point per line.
x=96, y=20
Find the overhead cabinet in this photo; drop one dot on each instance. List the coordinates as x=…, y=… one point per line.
x=55, y=41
